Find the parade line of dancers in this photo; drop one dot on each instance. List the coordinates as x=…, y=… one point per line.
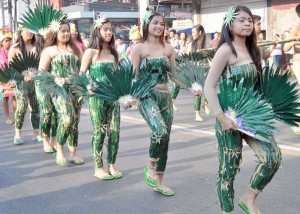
x=51, y=74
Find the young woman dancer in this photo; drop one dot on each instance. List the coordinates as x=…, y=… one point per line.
x=238, y=57
x=48, y=121
x=25, y=92
x=61, y=58
x=105, y=116
x=156, y=108
x=198, y=43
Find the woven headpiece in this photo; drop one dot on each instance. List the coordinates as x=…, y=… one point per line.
x=147, y=16
x=230, y=15
x=99, y=22
x=73, y=29
x=5, y=33
x=42, y=19
x=134, y=33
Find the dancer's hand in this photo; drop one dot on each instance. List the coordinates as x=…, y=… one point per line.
x=127, y=105
x=226, y=123
x=200, y=92
x=27, y=79
x=60, y=81
x=195, y=93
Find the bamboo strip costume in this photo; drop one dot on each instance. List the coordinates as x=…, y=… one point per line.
x=105, y=117
x=230, y=147
x=48, y=122
x=25, y=92
x=26, y=97
x=157, y=110
x=66, y=105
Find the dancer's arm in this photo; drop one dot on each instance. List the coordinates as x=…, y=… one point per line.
x=45, y=60
x=86, y=60
x=219, y=62
x=293, y=34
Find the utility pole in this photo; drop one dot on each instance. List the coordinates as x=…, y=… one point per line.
x=2, y=14
x=196, y=11
x=15, y=24
x=9, y=8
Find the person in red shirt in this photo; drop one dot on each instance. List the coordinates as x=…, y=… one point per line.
x=214, y=43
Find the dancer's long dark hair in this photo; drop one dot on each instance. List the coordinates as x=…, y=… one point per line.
x=200, y=42
x=53, y=40
x=97, y=42
x=146, y=26
x=21, y=43
x=251, y=43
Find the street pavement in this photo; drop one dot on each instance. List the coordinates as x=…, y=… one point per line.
x=31, y=182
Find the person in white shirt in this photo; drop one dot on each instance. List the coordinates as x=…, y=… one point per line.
x=173, y=41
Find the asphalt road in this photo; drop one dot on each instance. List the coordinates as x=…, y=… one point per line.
x=31, y=182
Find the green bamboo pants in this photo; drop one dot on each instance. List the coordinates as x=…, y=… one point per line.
x=26, y=97
x=157, y=111
x=48, y=122
x=230, y=156
x=105, y=117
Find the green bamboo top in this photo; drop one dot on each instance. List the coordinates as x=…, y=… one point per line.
x=237, y=72
x=96, y=70
x=64, y=65
x=159, y=65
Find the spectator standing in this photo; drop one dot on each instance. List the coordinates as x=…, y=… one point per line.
x=5, y=40
x=85, y=41
x=121, y=47
x=134, y=36
x=276, y=52
x=214, y=43
x=76, y=37
x=173, y=40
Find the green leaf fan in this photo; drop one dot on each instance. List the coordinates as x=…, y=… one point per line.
x=121, y=85
x=26, y=64
x=245, y=106
x=10, y=76
x=192, y=73
x=42, y=19
x=196, y=56
x=51, y=83
x=281, y=94
x=82, y=86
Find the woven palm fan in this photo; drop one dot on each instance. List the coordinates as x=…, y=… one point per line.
x=26, y=64
x=281, y=94
x=51, y=83
x=196, y=56
x=246, y=108
x=42, y=19
x=123, y=87
x=10, y=76
x=192, y=73
x=81, y=86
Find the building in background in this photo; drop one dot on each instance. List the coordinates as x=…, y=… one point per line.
x=123, y=13
x=277, y=16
